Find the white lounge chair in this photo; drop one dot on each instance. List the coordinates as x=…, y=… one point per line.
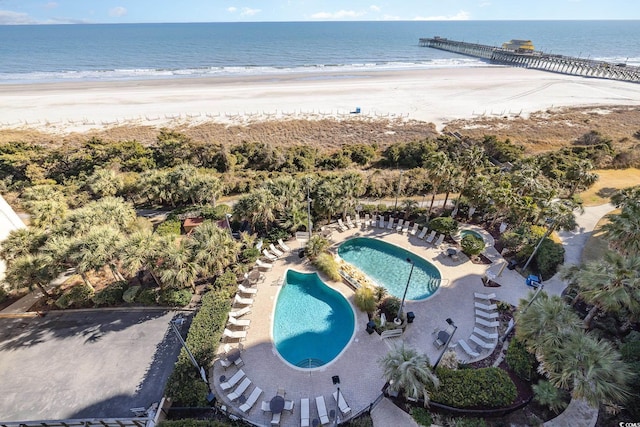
x=467, y=349
x=249, y=291
x=264, y=265
x=322, y=410
x=423, y=232
x=265, y=406
x=399, y=226
x=350, y=223
x=240, y=312
x=243, y=301
x=269, y=255
x=485, y=297
x=380, y=221
x=242, y=323
x=277, y=252
x=234, y=334
x=288, y=405
x=304, y=412
x=251, y=400
x=283, y=246
x=486, y=315
x=358, y=221
x=341, y=225
x=485, y=334
x=486, y=307
x=244, y=385
x=373, y=221
x=226, y=385
x=480, y=321
x=431, y=236
x=275, y=418
x=342, y=404
x=405, y=229
x=390, y=224
x=414, y=229
x=440, y=240
x=481, y=343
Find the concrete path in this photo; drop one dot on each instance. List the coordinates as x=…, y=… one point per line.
x=387, y=414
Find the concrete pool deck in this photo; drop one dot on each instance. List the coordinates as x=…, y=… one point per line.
x=360, y=375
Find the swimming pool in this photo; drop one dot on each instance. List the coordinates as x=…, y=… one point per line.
x=312, y=323
x=386, y=265
x=470, y=233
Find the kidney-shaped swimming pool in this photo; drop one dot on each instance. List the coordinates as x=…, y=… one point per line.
x=387, y=265
x=312, y=323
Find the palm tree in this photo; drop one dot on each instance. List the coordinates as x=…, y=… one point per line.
x=543, y=323
x=579, y=176
x=47, y=213
x=97, y=249
x=32, y=270
x=623, y=229
x=104, y=182
x=610, y=284
x=141, y=252
x=470, y=160
x=213, y=248
x=591, y=368
x=259, y=206
x=352, y=188
x=316, y=245
x=286, y=189
x=178, y=269
x=437, y=167
x=407, y=371
x=21, y=242
x=327, y=197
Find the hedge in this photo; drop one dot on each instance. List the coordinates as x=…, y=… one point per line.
x=474, y=388
x=185, y=385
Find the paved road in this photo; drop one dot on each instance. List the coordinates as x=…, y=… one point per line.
x=84, y=364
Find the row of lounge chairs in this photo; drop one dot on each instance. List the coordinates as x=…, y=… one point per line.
x=321, y=406
x=486, y=316
x=244, y=384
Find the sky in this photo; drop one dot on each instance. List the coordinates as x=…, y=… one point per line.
x=135, y=11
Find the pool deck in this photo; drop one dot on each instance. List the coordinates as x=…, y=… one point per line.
x=360, y=375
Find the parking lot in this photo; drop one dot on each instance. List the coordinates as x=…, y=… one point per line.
x=84, y=364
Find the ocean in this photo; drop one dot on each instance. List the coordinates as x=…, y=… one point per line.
x=54, y=53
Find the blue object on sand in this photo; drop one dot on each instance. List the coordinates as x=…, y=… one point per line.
x=357, y=111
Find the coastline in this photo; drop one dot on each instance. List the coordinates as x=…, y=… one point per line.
x=435, y=95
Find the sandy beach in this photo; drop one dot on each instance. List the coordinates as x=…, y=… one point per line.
x=434, y=95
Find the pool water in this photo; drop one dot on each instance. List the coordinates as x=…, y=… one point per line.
x=312, y=323
x=470, y=233
x=387, y=266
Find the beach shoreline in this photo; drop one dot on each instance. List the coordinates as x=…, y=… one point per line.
x=430, y=95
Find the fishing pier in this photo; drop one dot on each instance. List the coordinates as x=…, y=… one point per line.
x=520, y=53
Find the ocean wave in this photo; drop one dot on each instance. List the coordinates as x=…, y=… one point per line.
x=248, y=70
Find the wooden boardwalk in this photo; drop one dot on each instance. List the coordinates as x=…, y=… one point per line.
x=538, y=60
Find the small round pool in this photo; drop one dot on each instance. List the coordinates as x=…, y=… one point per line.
x=464, y=233
x=312, y=323
x=387, y=265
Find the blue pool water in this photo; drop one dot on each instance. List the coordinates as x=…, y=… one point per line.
x=312, y=323
x=387, y=265
x=470, y=233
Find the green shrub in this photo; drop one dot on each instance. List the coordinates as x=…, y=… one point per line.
x=185, y=385
x=175, y=297
x=472, y=245
x=363, y=420
x=228, y=278
x=381, y=207
x=390, y=305
x=250, y=255
x=470, y=422
x=422, y=416
x=444, y=224
x=147, y=297
x=365, y=299
x=520, y=360
x=277, y=233
x=3, y=294
x=327, y=264
x=111, y=295
x=548, y=395
x=473, y=388
x=316, y=245
x=549, y=257
x=215, y=213
x=169, y=227
x=130, y=294
x=78, y=296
